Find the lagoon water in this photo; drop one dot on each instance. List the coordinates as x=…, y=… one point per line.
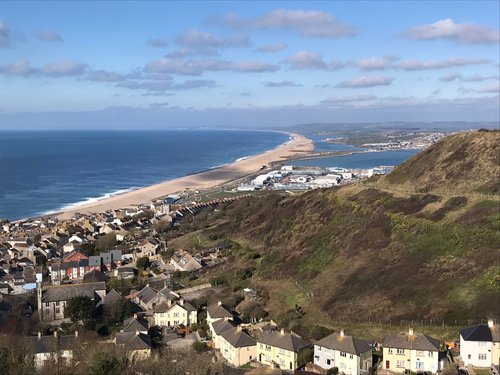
x=45, y=171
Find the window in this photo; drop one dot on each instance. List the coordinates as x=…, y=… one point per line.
x=47, y=304
x=420, y=365
x=389, y=350
x=268, y=358
x=481, y=343
x=400, y=364
x=482, y=356
x=268, y=347
x=176, y=314
x=343, y=354
x=430, y=354
x=58, y=310
x=57, y=303
x=319, y=348
x=400, y=351
x=420, y=353
x=328, y=362
x=282, y=351
x=282, y=362
x=261, y=346
x=351, y=356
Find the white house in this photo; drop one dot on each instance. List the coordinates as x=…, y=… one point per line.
x=480, y=345
x=352, y=356
x=171, y=314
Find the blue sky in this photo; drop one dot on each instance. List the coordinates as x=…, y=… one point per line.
x=222, y=63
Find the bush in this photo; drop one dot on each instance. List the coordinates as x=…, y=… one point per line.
x=333, y=371
x=142, y=263
x=218, y=280
x=200, y=347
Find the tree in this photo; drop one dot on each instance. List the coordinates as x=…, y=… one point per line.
x=106, y=242
x=305, y=356
x=79, y=309
x=117, y=311
x=142, y=262
x=200, y=347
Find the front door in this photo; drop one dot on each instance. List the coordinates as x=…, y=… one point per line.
x=387, y=364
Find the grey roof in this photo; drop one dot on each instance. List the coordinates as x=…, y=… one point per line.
x=164, y=306
x=66, y=292
x=222, y=325
x=133, y=341
x=106, y=257
x=238, y=338
x=481, y=332
x=219, y=311
x=134, y=324
x=167, y=293
x=116, y=255
x=347, y=344
x=94, y=276
x=287, y=341
x=112, y=297
x=95, y=260
x=146, y=294
x=417, y=341
x=50, y=344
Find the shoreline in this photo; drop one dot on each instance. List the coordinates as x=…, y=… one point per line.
x=207, y=179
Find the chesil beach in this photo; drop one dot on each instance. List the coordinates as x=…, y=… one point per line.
x=297, y=145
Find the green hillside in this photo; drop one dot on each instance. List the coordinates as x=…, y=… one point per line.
x=362, y=253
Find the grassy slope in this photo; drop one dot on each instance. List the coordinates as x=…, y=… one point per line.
x=359, y=253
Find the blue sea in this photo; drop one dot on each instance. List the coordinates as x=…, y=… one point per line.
x=45, y=171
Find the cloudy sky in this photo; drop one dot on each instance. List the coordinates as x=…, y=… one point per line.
x=154, y=64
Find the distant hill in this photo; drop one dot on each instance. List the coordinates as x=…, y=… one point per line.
x=365, y=253
x=462, y=163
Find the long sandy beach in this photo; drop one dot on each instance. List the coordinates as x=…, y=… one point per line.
x=298, y=145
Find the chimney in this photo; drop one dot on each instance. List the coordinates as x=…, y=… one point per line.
x=219, y=303
x=137, y=333
x=135, y=316
x=169, y=302
x=491, y=323
x=410, y=331
x=238, y=329
x=76, y=333
x=55, y=333
x=39, y=334
x=282, y=331
x=181, y=302
x=342, y=333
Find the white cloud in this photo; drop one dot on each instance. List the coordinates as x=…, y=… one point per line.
x=458, y=77
x=311, y=60
x=376, y=63
x=64, y=68
x=365, y=81
x=197, y=67
x=438, y=64
x=274, y=47
x=194, y=42
x=5, y=35
x=457, y=32
x=282, y=84
x=158, y=43
x=18, y=68
x=168, y=84
x=49, y=36
x=308, y=23
x=493, y=89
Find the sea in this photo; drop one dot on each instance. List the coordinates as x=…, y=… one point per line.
x=42, y=172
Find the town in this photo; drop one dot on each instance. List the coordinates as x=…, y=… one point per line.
x=114, y=274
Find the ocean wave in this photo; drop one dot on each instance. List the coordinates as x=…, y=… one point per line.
x=89, y=200
x=243, y=158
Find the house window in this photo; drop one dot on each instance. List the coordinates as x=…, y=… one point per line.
x=260, y=346
x=481, y=343
x=57, y=303
x=343, y=354
x=482, y=356
x=58, y=310
x=328, y=362
x=351, y=356
x=430, y=354
x=400, y=364
x=400, y=351
x=47, y=304
x=420, y=353
x=420, y=365
x=389, y=350
x=176, y=314
x=268, y=358
x=282, y=351
x=268, y=347
x=319, y=348
x=282, y=362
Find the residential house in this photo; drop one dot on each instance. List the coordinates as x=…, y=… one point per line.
x=218, y=311
x=112, y=297
x=53, y=299
x=237, y=347
x=170, y=313
x=74, y=256
x=137, y=344
x=411, y=352
x=51, y=349
x=147, y=248
x=480, y=345
x=135, y=324
x=281, y=350
x=217, y=328
x=352, y=356
x=183, y=261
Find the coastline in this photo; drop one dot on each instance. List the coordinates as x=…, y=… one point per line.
x=297, y=145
